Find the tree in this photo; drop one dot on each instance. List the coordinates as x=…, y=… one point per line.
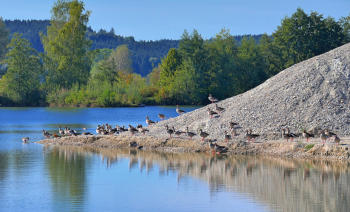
x=120, y=59
x=22, y=80
x=66, y=46
x=303, y=36
x=3, y=42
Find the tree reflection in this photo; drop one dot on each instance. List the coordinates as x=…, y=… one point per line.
x=67, y=171
x=286, y=185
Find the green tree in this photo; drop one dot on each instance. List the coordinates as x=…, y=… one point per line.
x=120, y=59
x=303, y=36
x=22, y=80
x=66, y=46
x=3, y=38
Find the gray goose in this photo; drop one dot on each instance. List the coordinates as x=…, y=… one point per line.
x=161, y=116
x=227, y=137
x=190, y=134
x=203, y=134
x=46, y=134
x=211, y=113
x=307, y=135
x=219, y=109
x=177, y=132
x=336, y=139
x=250, y=136
x=323, y=137
x=132, y=129
x=149, y=121
x=25, y=139
x=170, y=131
x=179, y=111
x=212, y=99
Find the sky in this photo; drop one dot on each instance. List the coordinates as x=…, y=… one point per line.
x=167, y=19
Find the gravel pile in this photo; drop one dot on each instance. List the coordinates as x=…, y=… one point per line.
x=312, y=94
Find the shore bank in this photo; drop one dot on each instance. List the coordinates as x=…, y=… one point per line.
x=277, y=148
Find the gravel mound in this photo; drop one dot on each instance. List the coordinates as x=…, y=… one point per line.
x=312, y=94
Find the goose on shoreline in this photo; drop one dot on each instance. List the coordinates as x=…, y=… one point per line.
x=212, y=99
x=179, y=111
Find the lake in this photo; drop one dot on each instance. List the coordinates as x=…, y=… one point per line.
x=35, y=177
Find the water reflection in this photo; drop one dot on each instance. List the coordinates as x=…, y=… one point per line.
x=284, y=185
x=67, y=172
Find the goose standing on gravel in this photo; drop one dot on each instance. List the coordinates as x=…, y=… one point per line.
x=179, y=111
x=132, y=129
x=170, y=131
x=177, y=132
x=250, y=136
x=149, y=121
x=211, y=113
x=336, y=139
x=203, y=134
x=212, y=99
x=219, y=109
x=323, y=137
x=46, y=134
x=307, y=135
x=161, y=116
x=25, y=139
x=233, y=124
x=227, y=137
x=190, y=134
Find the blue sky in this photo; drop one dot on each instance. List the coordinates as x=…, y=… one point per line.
x=157, y=19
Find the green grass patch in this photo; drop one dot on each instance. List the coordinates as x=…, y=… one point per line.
x=309, y=146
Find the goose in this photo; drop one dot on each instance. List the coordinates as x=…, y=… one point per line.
x=329, y=133
x=250, y=135
x=233, y=124
x=307, y=135
x=132, y=129
x=25, y=139
x=227, y=137
x=212, y=99
x=203, y=134
x=60, y=131
x=336, y=139
x=177, y=132
x=219, y=109
x=46, y=134
x=143, y=130
x=148, y=121
x=190, y=134
x=170, y=131
x=287, y=135
x=179, y=111
x=220, y=149
x=323, y=137
x=87, y=133
x=211, y=113
x=161, y=116
x=233, y=132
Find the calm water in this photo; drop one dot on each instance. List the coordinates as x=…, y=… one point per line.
x=34, y=177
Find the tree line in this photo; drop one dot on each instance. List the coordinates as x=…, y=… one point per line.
x=71, y=73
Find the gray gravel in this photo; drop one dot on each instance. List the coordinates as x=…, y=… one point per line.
x=313, y=93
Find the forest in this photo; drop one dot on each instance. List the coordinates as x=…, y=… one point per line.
x=77, y=67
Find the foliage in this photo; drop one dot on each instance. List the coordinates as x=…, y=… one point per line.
x=66, y=47
x=309, y=146
x=21, y=82
x=3, y=38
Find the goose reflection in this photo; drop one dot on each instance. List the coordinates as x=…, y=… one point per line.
x=284, y=185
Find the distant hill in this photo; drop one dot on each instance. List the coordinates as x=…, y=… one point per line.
x=145, y=54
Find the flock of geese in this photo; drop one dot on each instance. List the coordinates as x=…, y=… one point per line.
x=107, y=129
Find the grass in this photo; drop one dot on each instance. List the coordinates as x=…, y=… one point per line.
x=309, y=146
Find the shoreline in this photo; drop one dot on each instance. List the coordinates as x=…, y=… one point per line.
x=275, y=148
